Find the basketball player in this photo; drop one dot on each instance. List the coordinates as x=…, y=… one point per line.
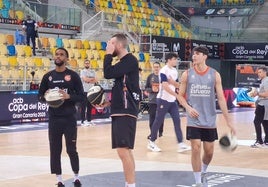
x=166, y=103
x=152, y=88
x=197, y=96
x=62, y=120
x=261, y=114
x=125, y=100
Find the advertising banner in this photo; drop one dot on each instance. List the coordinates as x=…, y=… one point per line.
x=221, y=11
x=20, y=106
x=246, y=51
x=162, y=44
x=246, y=75
x=212, y=47
x=24, y=105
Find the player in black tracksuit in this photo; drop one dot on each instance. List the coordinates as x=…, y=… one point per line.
x=62, y=120
x=124, y=103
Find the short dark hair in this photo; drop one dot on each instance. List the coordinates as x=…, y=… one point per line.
x=65, y=50
x=157, y=63
x=263, y=68
x=201, y=49
x=171, y=55
x=121, y=37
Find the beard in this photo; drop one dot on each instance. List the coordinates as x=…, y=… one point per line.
x=58, y=63
x=114, y=54
x=87, y=67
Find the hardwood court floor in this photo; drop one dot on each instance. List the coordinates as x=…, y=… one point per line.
x=24, y=156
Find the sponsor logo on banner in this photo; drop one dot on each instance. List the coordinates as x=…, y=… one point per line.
x=21, y=106
x=162, y=45
x=25, y=110
x=250, y=51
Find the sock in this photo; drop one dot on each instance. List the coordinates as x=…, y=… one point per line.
x=76, y=176
x=59, y=178
x=204, y=168
x=131, y=185
x=197, y=176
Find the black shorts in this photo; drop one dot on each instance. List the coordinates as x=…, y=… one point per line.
x=123, y=131
x=204, y=134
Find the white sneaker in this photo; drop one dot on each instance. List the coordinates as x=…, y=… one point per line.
x=84, y=123
x=197, y=185
x=153, y=147
x=91, y=123
x=183, y=147
x=88, y=123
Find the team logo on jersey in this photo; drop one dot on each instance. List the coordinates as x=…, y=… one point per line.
x=50, y=78
x=67, y=77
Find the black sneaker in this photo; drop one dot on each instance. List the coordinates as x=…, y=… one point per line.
x=60, y=184
x=77, y=183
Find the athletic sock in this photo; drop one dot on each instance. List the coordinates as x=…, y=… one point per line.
x=59, y=178
x=131, y=185
x=197, y=176
x=76, y=177
x=204, y=168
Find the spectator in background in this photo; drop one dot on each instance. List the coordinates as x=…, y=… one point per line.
x=30, y=27
x=261, y=112
x=88, y=77
x=152, y=88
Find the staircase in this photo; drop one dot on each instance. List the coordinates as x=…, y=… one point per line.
x=101, y=25
x=257, y=28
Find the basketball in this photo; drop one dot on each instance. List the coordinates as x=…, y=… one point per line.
x=228, y=142
x=95, y=95
x=54, y=98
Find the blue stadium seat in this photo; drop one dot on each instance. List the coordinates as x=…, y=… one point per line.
x=162, y=32
x=11, y=50
x=103, y=45
x=110, y=4
x=141, y=57
x=59, y=42
x=5, y=13
x=128, y=2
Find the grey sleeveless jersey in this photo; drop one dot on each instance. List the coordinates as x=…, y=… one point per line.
x=201, y=96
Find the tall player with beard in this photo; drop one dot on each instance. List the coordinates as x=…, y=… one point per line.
x=125, y=101
x=62, y=120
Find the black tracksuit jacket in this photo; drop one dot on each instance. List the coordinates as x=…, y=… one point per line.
x=126, y=93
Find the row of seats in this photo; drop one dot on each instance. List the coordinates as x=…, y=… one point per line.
x=31, y=62
x=7, y=12
x=78, y=49
x=16, y=76
x=150, y=21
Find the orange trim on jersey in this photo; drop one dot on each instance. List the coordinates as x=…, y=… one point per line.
x=202, y=73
